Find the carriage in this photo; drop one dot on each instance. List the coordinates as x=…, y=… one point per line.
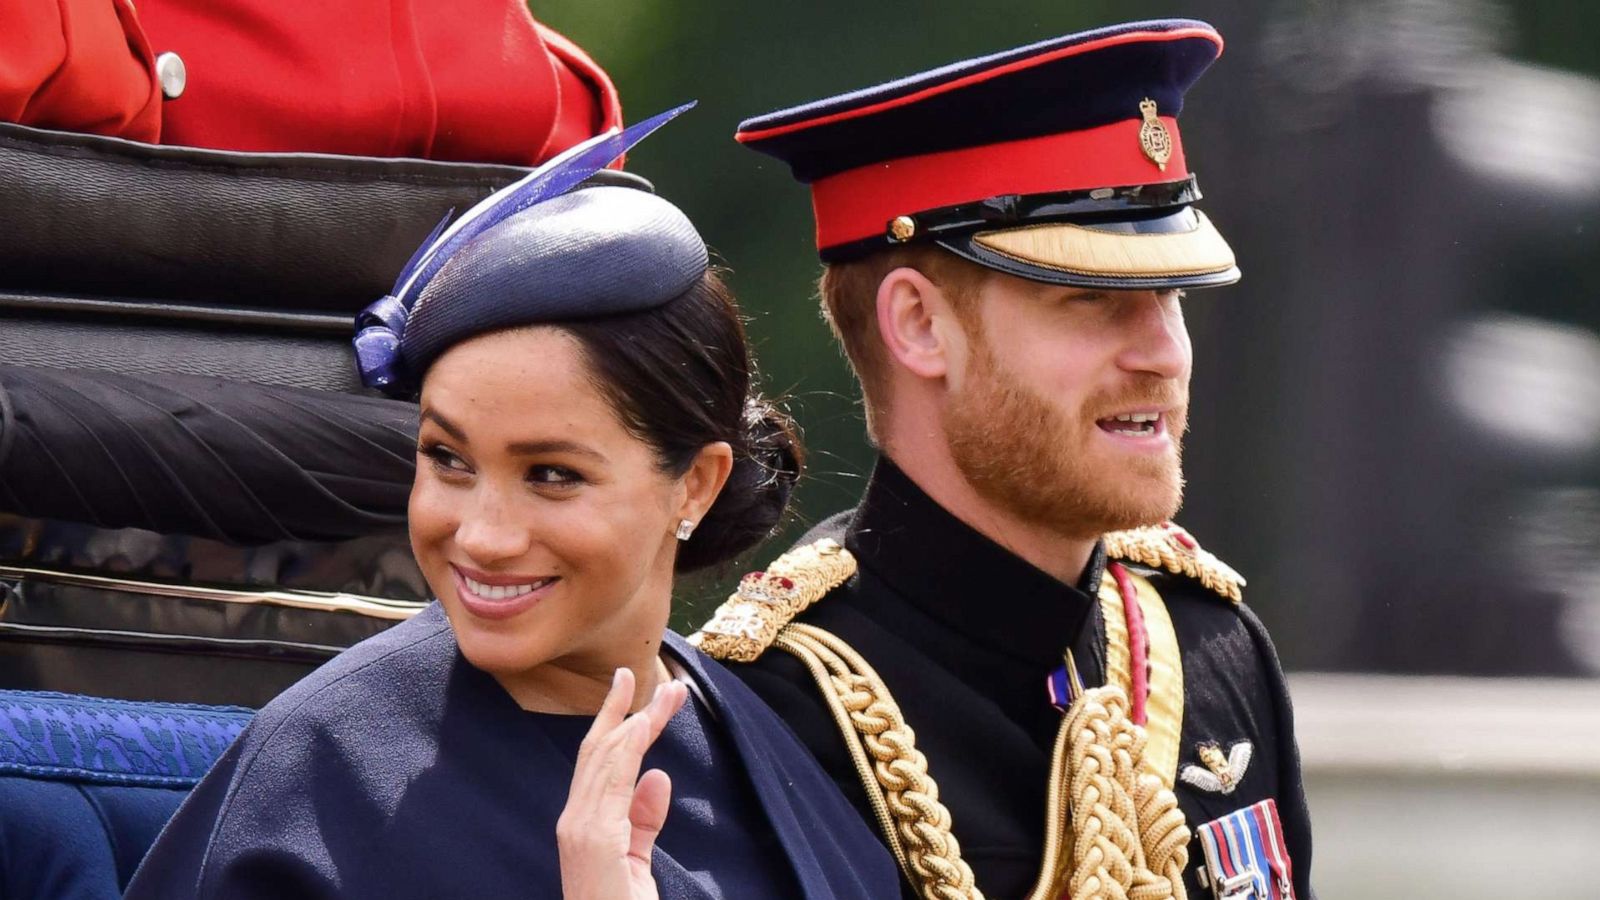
x=199, y=502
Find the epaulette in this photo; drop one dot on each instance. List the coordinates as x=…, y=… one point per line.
x=747, y=623
x=1169, y=548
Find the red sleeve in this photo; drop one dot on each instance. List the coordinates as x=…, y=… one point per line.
x=470, y=80
x=589, y=103
x=79, y=65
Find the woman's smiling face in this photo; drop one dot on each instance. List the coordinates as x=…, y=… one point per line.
x=542, y=525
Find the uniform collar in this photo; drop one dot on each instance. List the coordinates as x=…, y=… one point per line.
x=962, y=578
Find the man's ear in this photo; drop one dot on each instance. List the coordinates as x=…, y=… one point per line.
x=918, y=327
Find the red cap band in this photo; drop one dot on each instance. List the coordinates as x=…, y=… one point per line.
x=859, y=203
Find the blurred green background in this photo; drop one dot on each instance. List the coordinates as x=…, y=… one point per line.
x=1395, y=428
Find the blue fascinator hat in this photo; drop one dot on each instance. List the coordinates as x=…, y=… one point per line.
x=545, y=249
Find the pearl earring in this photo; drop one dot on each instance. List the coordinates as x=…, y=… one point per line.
x=685, y=528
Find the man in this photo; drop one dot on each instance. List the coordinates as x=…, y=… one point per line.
x=1028, y=678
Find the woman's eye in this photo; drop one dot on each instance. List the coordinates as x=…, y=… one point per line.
x=444, y=460
x=560, y=476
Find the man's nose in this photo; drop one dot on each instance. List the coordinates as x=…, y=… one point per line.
x=1157, y=341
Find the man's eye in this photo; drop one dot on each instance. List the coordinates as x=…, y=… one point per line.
x=443, y=459
x=554, y=475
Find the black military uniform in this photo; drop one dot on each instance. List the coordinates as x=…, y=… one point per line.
x=965, y=634
x=1012, y=735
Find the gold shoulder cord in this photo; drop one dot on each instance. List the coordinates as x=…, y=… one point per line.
x=1110, y=802
x=894, y=773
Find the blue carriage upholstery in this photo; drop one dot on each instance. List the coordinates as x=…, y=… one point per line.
x=87, y=783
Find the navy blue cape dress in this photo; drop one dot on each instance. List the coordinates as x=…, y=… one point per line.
x=400, y=770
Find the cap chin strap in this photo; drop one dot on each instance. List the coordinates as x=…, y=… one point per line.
x=1006, y=211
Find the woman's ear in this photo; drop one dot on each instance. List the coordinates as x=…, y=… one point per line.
x=704, y=480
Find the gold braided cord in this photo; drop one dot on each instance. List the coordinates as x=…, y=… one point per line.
x=899, y=772
x=1055, y=822
x=1129, y=839
x=1114, y=830
x=806, y=651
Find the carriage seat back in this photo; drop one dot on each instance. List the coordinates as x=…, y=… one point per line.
x=86, y=785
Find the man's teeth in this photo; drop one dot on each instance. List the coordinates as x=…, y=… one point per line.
x=502, y=591
x=1136, y=423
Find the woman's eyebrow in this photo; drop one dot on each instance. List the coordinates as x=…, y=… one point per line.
x=533, y=448
x=449, y=427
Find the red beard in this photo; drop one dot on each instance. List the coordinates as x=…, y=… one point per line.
x=1031, y=459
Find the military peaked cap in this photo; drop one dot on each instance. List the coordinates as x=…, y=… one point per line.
x=1059, y=161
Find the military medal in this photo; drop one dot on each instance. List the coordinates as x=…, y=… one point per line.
x=1245, y=855
x=1154, y=138
x=1064, y=684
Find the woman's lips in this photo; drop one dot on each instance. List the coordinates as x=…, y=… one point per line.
x=500, y=597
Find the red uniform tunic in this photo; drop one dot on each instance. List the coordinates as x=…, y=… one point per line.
x=475, y=80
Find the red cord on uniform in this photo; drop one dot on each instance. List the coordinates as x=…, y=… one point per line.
x=1138, y=643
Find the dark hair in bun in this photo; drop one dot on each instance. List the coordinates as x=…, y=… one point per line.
x=680, y=377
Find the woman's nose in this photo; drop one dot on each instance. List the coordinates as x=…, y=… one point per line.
x=489, y=533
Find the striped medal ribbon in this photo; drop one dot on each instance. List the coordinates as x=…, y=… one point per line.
x=1064, y=685
x=1245, y=855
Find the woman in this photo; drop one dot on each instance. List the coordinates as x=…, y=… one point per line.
x=587, y=430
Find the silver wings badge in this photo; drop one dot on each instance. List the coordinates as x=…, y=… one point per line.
x=1220, y=774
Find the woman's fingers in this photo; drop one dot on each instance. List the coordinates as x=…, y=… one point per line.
x=613, y=752
x=648, y=813
x=596, y=769
x=624, y=752
x=609, y=827
x=663, y=706
x=612, y=710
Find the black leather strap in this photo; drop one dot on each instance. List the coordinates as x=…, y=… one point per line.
x=92, y=216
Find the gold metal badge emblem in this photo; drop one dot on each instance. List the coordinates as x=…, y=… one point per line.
x=903, y=228
x=1154, y=139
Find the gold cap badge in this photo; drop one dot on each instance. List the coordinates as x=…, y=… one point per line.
x=1154, y=138
x=902, y=228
